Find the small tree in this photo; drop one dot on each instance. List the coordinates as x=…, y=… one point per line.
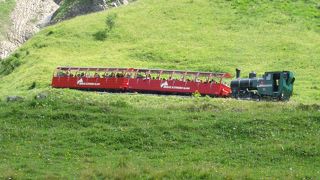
x=110, y=24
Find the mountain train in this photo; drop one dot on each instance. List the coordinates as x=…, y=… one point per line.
x=272, y=86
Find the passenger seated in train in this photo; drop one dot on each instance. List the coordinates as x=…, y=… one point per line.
x=128, y=75
x=96, y=75
x=112, y=75
x=139, y=75
x=148, y=76
x=104, y=75
x=120, y=75
x=60, y=74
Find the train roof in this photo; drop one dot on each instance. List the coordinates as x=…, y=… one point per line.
x=113, y=69
x=277, y=72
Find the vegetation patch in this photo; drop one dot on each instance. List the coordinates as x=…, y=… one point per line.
x=8, y=65
x=71, y=133
x=145, y=139
x=110, y=24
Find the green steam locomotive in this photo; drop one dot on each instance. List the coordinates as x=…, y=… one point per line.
x=272, y=86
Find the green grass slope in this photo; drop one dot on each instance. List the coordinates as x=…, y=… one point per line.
x=5, y=9
x=195, y=35
x=116, y=136
x=81, y=135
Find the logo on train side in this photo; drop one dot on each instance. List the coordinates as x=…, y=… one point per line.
x=165, y=85
x=80, y=82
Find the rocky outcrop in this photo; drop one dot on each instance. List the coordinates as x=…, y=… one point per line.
x=27, y=18
x=76, y=8
x=14, y=98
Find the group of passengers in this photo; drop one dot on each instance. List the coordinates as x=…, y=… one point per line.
x=130, y=75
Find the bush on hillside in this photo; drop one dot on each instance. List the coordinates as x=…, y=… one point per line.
x=32, y=86
x=100, y=35
x=110, y=23
x=8, y=65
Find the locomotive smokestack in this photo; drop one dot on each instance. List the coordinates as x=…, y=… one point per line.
x=238, y=73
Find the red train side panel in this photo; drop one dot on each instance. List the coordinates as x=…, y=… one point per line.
x=176, y=86
x=142, y=85
x=140, y=80
x=90, y=83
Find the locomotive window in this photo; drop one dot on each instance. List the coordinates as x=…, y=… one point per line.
x=268, y=77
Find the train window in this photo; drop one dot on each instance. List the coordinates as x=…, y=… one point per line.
x=285, y=76
x=201, y=79
x=140, y=75
x=176, y=77
x=128, y=75
x=60, y=74
x=105, y=74
x=96, y=75
x=188, y=77
x=165, y=76
x=72, y=73
x=268, y=77
x=153, y=76
x=120, y=74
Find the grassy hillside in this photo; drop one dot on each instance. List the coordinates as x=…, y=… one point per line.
x=5, y=9
x=76, y=134
x=80, y=134
x=194, y=35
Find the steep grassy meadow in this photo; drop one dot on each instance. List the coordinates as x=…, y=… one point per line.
x=193, y=35
x=89, y=135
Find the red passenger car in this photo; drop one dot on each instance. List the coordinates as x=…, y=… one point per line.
x=141, y=80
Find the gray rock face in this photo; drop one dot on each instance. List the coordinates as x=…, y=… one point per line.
x=30, y=15
x=27, y=18
x=78, y=8
x=14, y=98
x=57, y=1
x=42, y=95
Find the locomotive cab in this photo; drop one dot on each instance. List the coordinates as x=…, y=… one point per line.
x=277, y=85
